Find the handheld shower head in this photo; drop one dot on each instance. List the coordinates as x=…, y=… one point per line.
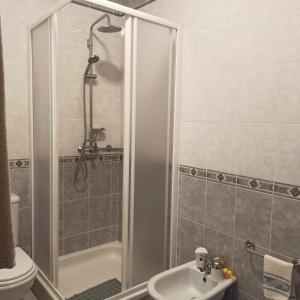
x=92, y=60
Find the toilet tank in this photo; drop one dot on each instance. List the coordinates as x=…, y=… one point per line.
x=15, y=203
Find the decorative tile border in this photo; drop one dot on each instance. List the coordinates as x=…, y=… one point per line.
x=18, y=163
x=103, y=157
x=115, y=154
x=251, y=183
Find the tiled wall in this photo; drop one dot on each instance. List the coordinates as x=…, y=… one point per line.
x=240, y=117
x=220, y=211
x=93, y=216
x=89, y=218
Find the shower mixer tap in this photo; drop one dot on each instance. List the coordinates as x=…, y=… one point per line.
x=96, y=134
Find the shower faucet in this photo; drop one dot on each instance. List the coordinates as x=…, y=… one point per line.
x=90, y=145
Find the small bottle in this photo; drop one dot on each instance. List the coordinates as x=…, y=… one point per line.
x=217, y=266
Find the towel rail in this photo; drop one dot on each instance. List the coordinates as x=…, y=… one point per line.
x=251, y=249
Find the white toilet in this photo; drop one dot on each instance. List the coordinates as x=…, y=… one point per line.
x=16, y=282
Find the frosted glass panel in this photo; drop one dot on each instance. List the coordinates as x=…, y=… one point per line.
x=41, y=145
x=151, y=179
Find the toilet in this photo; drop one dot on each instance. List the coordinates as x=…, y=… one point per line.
x=15, y=283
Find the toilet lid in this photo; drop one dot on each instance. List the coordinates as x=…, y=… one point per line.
x=24, y=265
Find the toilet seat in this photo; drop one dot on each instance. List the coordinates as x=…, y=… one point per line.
x=24, y=270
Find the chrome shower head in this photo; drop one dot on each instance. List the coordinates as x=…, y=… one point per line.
x=109, y=28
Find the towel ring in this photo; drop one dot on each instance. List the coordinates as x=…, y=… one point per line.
x=251, y=249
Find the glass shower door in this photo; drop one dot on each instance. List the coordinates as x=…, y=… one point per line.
x=149, y=153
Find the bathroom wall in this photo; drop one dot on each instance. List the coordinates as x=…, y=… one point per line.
x=93, y=216
x=240, y=146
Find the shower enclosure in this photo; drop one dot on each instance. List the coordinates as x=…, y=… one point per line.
x=104, y=144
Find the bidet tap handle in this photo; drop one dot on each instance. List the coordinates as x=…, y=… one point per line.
x=201, y=256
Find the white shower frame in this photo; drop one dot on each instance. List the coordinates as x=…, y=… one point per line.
x=131, y=15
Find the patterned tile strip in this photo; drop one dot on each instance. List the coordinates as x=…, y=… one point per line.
x=261, y=185
x=18, y=163
x=105, y=156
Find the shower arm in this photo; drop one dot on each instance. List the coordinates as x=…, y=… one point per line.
x=90, y=40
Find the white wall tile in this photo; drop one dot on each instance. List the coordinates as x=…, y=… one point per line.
x=256, y=150
x=288, y=153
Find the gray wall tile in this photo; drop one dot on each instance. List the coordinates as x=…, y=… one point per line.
x=191, y=236
x=248, y=269
x=99, y=212
x=253, y=216
x=114, y=210
x=100, y=179
x=24, y=227
x=119, y=233
x=69, y=191
x=286, y=226
x=219, y=244
x=192, y=198
x=75, y=217
x=61, y=247
x=19, y=181
x=76, y=243
x=114, y=233
x=61, y=220
x=115, y=177
x=100, y=236
x=220, y=202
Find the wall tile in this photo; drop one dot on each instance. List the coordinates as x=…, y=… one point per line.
x=219, y=244
x=288, y=99
x=253, y=216
x=24, y=231
x=61, y=220
x=115, y=177
x=61, y=247
x=288, y=154
x=99, y=237
x=193, y=134
x=114, y=233
x=75, y=217
x=286, y=226
x=191, y=236
x=76, y=243
x=220, y=202
x=100, y=179
x=61, y=182
x=223, y=146
x=99, y=212
x=256, y=150
x=192, y=198
x=69, y=191
x=248, y=269
x=114, y=209
x=19, y=183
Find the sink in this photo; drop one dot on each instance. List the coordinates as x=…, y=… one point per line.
x=186, y=282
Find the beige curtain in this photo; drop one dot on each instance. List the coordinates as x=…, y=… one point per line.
x=7, y=247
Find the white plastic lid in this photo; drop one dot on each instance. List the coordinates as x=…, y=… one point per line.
x=24, y=265
x=14, y=198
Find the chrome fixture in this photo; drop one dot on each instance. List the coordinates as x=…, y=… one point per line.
x=251, y=249
x=91, y=135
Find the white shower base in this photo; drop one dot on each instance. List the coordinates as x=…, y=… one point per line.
x=84, y=269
